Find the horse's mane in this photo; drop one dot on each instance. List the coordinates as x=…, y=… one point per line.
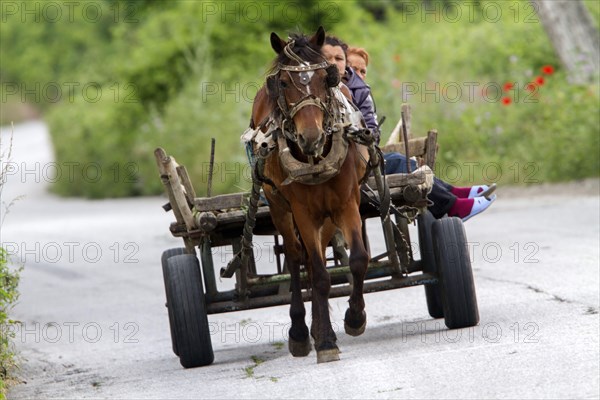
x=303, y=48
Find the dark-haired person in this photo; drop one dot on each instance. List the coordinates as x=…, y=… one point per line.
x=462, y=202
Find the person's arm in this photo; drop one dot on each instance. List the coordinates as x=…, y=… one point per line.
x=366, y=105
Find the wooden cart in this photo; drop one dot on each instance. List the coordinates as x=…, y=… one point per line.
x=205, y=223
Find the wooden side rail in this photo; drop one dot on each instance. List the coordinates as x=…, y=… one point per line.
x=424, y=148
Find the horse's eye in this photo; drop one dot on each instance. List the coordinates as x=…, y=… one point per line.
x=283, y=84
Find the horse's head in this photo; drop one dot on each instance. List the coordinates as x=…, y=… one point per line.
x=300, y=84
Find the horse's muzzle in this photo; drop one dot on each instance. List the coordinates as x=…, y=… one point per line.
x=311, y=142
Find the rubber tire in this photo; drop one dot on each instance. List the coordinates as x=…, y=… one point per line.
x=165, y=256
x=433, y=293
x=186, y=301
x=456, y=276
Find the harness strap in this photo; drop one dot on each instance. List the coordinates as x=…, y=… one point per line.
x=257, y=175
x=304, y=67
x=309, y=100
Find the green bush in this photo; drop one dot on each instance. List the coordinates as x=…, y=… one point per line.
x=545, y=136
x=174, y=76
x=9, y=282
x=185, y=82
x=95, y=157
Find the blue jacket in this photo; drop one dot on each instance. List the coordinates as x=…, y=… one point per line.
x=361, y=96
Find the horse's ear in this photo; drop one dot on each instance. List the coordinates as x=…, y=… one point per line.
x=318, y=38
x=276, y=43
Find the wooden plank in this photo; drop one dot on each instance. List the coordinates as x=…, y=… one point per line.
x=237, y=200
x=161, y=160
x=407, y=118
x=187, y=183
x=416, y=147
x=396, y=180
x=180, y=201
x=239, y=216
x=231, y=223
x=421, y=179
x=431, y=149
x=221, y=202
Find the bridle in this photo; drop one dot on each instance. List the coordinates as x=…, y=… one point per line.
x=306, y=72
x=310, y=173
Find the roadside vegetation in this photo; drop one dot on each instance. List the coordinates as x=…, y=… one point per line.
x=174, y=74
x=9, y=281
x=9, y=294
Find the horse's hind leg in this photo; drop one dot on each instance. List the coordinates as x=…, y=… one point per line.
x=355, y=320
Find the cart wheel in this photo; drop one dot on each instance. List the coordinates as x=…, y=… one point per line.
x=165, y=256
x=185, y=298
x=456, y=277
x=433, y=293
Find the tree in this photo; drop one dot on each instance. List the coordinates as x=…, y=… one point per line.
x=573, y=35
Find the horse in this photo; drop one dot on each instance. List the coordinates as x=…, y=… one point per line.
x=298, y=99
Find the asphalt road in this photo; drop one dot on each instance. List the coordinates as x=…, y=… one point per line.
x=94, y=322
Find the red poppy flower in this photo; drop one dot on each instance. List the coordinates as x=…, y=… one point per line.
x=508, y=86
x=540, y=80
x=531, y=86
x=506, y=101
x=397, y=57
x=548, y=69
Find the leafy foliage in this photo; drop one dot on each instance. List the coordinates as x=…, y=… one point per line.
x=9, y=294
x=175, y=74
x=9, y=281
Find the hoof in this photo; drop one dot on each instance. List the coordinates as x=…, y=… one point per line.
x=299, y=348
x=358, y=328
x=328, y=355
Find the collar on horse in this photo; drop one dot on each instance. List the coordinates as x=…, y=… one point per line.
x=310, y=173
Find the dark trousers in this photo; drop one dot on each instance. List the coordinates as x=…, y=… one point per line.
x=440, y=195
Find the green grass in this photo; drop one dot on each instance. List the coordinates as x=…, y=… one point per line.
x=278, y=345
x=249, y=370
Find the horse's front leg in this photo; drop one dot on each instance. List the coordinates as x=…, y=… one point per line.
x=327, y=233
x=325, y=339
x=349, y=221
x=299, y=342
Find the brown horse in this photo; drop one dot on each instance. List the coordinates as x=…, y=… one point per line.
x=299, y=98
